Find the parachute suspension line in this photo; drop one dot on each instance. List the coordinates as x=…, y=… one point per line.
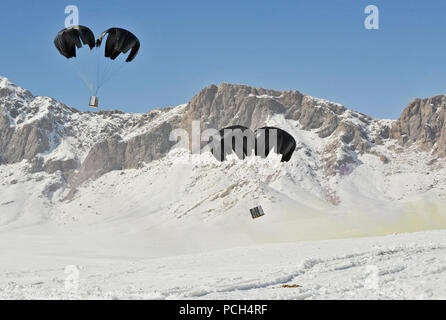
x=91, y=69
x=108, y=67
x=114, y=71
x=96, y=72
x=98, y=69
x=102, y=74
x=82, y=76
x=118, y=41
x=111, y=72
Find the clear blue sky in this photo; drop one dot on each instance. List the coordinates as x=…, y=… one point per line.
x=319, y=47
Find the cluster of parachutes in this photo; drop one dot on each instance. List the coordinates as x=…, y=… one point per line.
x=118, y=41
x=244, y=142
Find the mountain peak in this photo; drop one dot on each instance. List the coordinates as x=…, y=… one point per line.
x=5, y=82
x=423, y=123
x=331, y=139
x=9, y=89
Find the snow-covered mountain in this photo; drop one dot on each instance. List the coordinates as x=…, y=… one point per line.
x=109, y=192
x=112, y=161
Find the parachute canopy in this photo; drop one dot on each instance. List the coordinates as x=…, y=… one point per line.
x=68, y=39
x=269, y=138
x=242, y=141
x=237, y=139
x=119, y=41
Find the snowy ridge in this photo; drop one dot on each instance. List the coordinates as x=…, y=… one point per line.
x=74, y=133
x=207, y=188
x=151, y=221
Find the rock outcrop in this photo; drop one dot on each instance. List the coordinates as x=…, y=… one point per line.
x=53, y=138
x=423, y=124
x=228, y=104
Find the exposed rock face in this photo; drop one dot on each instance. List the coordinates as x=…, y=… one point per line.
x=423, y=123
x=116, y=154
x=83, y=145
x=230, y=104
x=23, y=143
x=26, y=140
x=53, y=137
x=227, y=104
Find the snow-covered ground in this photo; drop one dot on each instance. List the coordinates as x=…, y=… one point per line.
x=404, y=266
x=177, y=229
x=180, y=227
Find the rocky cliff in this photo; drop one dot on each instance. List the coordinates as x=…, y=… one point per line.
x=423, y=124
x=52, y=137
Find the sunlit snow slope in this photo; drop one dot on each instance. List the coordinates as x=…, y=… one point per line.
x=142, y=218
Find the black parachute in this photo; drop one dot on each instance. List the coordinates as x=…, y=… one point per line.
x=227, y=142
x=119, y=41
x=68, y=39
x=272, y=138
